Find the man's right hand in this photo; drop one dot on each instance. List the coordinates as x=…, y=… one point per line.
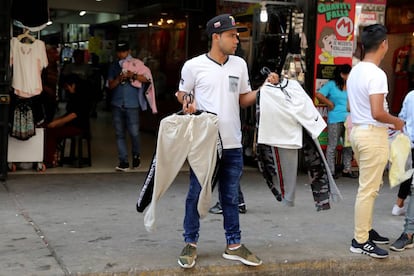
x=188, y=102
x=399, y=124
x=189, y=106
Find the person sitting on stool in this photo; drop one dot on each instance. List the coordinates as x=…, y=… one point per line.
x=74, y=122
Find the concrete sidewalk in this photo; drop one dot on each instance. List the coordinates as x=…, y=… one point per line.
x=86, y=224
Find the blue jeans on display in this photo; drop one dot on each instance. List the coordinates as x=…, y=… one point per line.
x=231, y=168
x=126, y=119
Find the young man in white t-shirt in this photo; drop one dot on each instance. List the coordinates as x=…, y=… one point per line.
x=367, y=90
x=220, y=84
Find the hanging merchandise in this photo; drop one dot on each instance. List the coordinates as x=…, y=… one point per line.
x=272, y=43
x=28, y=61
x=23, y=126
x=401, y=66
x=192, y=135
x=294, y=68
x=147, y=189
x=32, y=15
x=282, y=44
x=277, y=150
x=303, y=44
x=295, y=31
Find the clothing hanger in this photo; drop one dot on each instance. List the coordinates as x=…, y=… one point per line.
x=27, y=35
x=265, y=71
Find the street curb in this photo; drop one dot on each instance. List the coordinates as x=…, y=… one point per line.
x=365, y=265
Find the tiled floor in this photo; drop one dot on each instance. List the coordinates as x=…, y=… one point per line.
x=104, y=152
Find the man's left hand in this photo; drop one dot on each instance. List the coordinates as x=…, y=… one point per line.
x=273, y=78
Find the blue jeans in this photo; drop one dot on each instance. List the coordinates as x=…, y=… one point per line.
x=124, y=119
x=231, y=167
x=409, y=216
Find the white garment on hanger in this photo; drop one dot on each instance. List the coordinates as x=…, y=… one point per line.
x=283, y=113
x=184, y=137
x=28, y=61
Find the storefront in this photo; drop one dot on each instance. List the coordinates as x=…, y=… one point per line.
x=339, y=25
x=399, y=61
x=286, y=43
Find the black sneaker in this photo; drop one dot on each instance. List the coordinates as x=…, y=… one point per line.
x=377, y=238
x=122, y=167
x=136, y=161
x=368, y=248
x=403, y=242
x=216, y=209
x=242, y=208
x=349, y=174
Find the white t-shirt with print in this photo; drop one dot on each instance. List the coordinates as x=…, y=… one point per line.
x=217, y=88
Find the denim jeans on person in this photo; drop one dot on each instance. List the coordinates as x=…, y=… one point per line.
x=231, y=168
x=409, y=215
x=126, y=119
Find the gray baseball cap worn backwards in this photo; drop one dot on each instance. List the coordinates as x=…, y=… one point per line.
x=222, y=23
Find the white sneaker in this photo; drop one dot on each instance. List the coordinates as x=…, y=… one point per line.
x=397, y=211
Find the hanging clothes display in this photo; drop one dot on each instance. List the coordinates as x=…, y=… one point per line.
x=271, y=42
x=145, y=195
x=294, y=68
x=184, y=137
x=294, y=110
x=278, y=142
x=32, y=15
x=296, y=31
x=23, y=126
x=322, y=183
x=402, y=80
x=28, y=61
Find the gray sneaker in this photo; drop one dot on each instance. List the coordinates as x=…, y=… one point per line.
x=402, y=243
x=216, y=209
x=243, y=255
x=188, y=256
